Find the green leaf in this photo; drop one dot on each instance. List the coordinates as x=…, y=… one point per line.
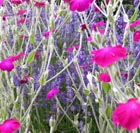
x=3, y=113
x=106, y=87
x=108, y=111
x=134, y=17
x=30, y=70
x=18, y=45
x=42, y=80
x=30, y=57
x=32, y=39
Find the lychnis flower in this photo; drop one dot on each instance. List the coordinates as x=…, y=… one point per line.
x=127, y=115
x=39, y=4
x=79, y=5
x=52, y=93
x=72, y=48
x=8, y=63
x=9, y=126
x=107, y=56
x=104, y=77
x=25, y=79
x=136, y=36
x=21, y=12
x=17, y=2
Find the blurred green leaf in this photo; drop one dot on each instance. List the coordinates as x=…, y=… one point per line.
x=108, y=111
x=30, y=57
x=106, y=87
x=42, y=80
x=32, y=39
x=134, y=16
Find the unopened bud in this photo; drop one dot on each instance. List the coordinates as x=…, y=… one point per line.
x=52, y=121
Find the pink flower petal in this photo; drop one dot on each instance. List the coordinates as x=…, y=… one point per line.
x=16, y=57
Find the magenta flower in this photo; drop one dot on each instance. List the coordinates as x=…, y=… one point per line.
x=9, y=126
x=4, y=17
x=7, y=64
x=1, y=2
x=83, y=27
x=17, y=2
x=89, y=39
x=25, y=79
x=79, y=5
x=101, y=31
x=135, y=23
x=107, y=1
x=107, y=56
x=16, y=57
x=66, y=1
x=52, y=93
x=136, y=36
x=22, y=37
x=124, y=74
x=38, y=54
x=46, y=34
x=39, y=4
x=127, y=115
x=96, y=9
x=21, y=20
x=104, y=77
x=21, y=12
x=72, y=48
x=97, y=25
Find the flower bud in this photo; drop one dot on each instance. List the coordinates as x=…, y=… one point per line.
x=52, y=121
